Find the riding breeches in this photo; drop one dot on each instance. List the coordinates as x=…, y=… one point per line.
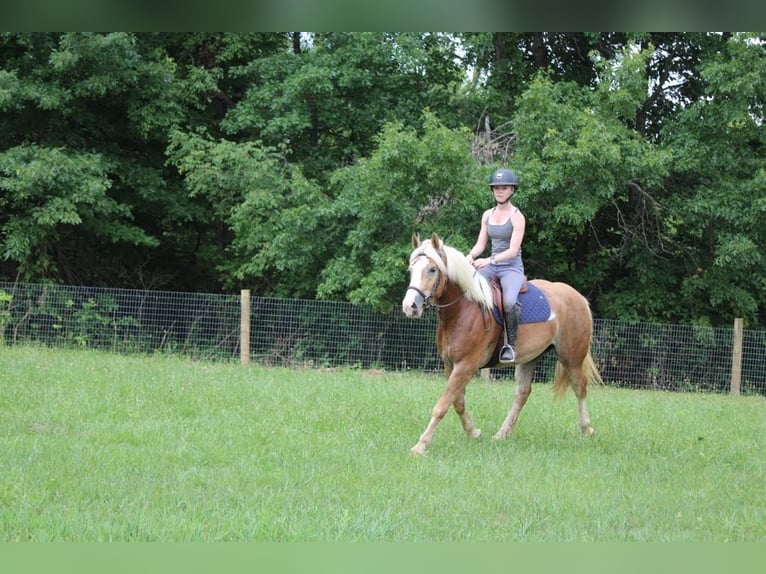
x=510, y=275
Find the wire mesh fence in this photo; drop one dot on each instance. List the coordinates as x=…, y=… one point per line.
x=293, y=332
x=677, y=357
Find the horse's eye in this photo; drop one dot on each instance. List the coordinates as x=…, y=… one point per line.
x=432, y=270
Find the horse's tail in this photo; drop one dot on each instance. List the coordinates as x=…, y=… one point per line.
x=590, y=373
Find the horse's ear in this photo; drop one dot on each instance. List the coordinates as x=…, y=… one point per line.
x=415, y=240
x=435, y=241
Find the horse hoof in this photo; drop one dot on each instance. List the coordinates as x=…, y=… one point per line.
x=418, y=450
x=588, y=431
x=498, y=437
x=476, y=434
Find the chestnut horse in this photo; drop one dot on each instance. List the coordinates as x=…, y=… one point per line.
x=467, y=335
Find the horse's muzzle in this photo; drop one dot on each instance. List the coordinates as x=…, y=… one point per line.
x=413, y=302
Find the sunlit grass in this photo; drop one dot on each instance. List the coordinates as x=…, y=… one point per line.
x=98, y=447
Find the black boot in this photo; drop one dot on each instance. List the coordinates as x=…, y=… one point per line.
x=508, y=352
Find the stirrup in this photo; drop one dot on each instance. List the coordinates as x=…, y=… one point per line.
x=507, y=354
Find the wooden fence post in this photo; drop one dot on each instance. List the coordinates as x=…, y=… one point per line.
x=736, y=358
x=244, y=327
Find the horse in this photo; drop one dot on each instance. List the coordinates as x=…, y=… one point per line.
x=468, y=336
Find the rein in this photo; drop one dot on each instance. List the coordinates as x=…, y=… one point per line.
x=450, y=303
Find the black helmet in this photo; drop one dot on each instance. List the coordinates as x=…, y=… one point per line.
x=504, y=177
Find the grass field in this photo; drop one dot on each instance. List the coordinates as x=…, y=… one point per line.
x=97, y=447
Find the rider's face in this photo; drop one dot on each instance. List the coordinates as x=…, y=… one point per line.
x=502, y=192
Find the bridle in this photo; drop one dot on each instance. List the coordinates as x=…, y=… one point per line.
x=427, y=297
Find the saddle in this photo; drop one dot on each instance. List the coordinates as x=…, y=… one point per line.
x=497, y=294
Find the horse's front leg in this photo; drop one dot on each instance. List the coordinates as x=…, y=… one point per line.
x=453, y=393
x=465, y=417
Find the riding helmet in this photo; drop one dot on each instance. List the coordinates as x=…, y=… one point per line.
x=504, y=177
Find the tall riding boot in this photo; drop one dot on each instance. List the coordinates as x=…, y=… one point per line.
x=508, y=352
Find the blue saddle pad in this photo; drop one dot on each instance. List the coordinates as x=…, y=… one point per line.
x=534, y=307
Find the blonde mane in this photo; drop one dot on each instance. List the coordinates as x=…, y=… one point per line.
x=474, y=286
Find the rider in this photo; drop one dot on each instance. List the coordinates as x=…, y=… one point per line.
x=504, y=226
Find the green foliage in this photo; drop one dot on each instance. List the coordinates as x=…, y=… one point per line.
x=328, y=102
x=298, y=164
x=588, y=179
x=718, y=206
x=48, y=191
x=266, y=203
x=85, y=194
x=413, y=182
x=283, y=253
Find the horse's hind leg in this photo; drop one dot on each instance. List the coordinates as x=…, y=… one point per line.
x=585, y=425
x=580, y=386
x=577, y=379
x=523, y=389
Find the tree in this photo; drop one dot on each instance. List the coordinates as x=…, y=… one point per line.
x=264, y=203
x=655, y=220
x=299, y=164
x=48, y=193
x=717, y=210
x=80, y=114
x=412, y=182
x=103, y=105
x=328, y=101
x=587, y=178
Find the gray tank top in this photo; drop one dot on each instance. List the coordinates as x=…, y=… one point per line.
x=500, y=236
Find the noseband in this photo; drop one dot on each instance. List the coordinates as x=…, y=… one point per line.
x=419, y=291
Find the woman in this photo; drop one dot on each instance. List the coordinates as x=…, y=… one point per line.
x=504, y=226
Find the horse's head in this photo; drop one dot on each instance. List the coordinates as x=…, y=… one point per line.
x=432, y=265
x=427, y=275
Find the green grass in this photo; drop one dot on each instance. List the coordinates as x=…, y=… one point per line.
x=98, y=447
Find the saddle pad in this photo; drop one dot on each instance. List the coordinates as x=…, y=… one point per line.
x=534, y=306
